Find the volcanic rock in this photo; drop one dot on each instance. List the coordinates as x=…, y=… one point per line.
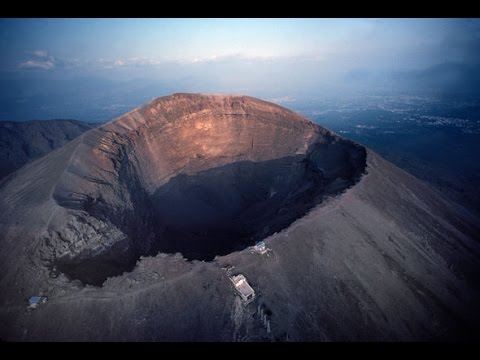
x=128, y=229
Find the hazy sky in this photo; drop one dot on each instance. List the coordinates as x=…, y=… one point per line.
x=252, y=56
x=120, y=44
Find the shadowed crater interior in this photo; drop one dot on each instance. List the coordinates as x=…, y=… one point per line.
x=225, y=209
x=218, y=211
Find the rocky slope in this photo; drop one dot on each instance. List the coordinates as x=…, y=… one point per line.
x=128, y=229
x=21, y=142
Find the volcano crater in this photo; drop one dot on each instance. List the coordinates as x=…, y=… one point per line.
x=203, y=182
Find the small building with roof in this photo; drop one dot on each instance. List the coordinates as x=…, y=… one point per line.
x=260, y=248
x=243, y=287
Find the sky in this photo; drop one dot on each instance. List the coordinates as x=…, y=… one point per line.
x=259, y=57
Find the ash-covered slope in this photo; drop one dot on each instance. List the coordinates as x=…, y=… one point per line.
x=21, y=142
x=355, y=256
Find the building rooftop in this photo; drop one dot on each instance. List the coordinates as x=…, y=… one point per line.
x=243, y=287
x=260, y=248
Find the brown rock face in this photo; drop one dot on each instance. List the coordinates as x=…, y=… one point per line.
x=203, y=175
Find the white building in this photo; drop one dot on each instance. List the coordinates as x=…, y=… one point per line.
x=243, y=287
x=260, y=248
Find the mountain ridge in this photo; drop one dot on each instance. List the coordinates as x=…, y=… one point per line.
x=22, y=142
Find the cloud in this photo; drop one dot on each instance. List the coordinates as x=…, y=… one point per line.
x=40, y=53
x=139, y=61
x=37, y=64
x=124, y=62
x=39, y=59
x=224, y=58
x=118, y=62
x=254, y=59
